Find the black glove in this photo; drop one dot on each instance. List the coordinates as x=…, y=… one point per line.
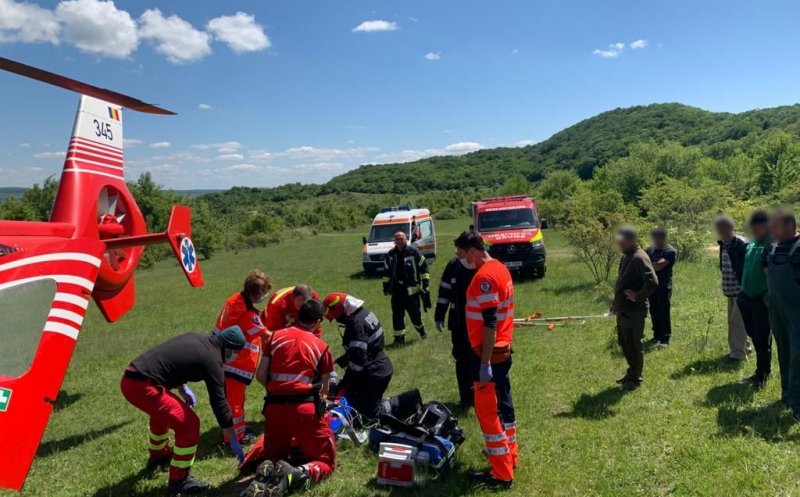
x=387, y=288
x=426, y=300
x=342, y=361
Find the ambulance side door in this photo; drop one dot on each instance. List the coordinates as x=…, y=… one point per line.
x=427, y=240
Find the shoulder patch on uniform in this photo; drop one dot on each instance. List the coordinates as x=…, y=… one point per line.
x=256, y=319
x=485, y=286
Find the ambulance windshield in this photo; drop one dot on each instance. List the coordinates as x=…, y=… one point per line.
x=24, y=308
x=385, y=232
x=507, y=219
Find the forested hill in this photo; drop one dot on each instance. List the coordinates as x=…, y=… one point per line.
x=581, y=148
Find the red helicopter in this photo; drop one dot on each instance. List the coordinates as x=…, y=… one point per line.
x=49, y=270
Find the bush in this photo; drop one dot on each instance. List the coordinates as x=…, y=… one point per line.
x=447, y=214
x=690, y=244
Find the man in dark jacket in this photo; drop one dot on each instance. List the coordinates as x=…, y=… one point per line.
x=732, y=250
x=636, y=281
x=453, y=298
x=662, y=256
x=406, y=277
x=147, y=384
x=368, y=370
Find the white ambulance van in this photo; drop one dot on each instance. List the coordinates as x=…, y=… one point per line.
x=417, y=224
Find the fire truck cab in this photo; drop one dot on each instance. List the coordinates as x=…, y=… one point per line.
x=417, y=224
x=511, y=229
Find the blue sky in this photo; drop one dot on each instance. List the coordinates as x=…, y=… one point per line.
x=270, y=92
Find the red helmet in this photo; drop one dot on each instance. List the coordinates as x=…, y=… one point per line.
x=333, y=305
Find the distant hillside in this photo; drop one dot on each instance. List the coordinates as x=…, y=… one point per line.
x=582, y=148
x=6, y=192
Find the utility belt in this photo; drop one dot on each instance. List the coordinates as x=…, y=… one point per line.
x=313, y=398
x=500, y=353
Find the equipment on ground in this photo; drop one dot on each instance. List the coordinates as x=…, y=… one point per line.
x=396, y=465
x=511, y=228
x=417, y=224
x=536, y=319
x=90, y=247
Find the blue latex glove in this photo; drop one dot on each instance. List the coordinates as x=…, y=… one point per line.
x=188, y=396
x=236, y=448
x=485, y=373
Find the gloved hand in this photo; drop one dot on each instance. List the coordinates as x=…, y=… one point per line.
x=188, y=396
x=485, y=373
x=387, y=289
x=439, y=326
x=342, y=361
x=236, y=448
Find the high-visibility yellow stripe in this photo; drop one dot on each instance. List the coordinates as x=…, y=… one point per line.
x=184, y=451
x=281, y=293
x=182, y=464
x=153, y=436
x=159, y=446
x=537, y=237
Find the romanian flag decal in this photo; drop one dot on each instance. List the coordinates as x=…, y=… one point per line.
x=113, y=113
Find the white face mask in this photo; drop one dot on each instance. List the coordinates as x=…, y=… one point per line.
x=466, y=263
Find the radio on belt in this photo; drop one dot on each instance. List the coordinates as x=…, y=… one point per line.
x=396, y=465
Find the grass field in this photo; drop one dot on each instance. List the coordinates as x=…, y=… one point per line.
x=691, y=430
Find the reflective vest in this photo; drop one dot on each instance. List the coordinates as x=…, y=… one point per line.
x=491, y=287
x=297, y=361
x=280, y=312
x=238, y=311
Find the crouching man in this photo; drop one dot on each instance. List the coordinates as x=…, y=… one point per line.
x=148, y=383
x=295, y=369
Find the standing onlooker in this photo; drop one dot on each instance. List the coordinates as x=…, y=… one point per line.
x=752, y=299
x=782, y=262
x=662, y=256
x=636, y=281
x=405, y=278
x=732, y=248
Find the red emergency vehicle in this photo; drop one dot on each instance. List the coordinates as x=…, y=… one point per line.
x=512, y=230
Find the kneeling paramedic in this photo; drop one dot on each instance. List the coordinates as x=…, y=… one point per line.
x=147, y=384
x=368, y=369
x=295, y=369
x=490, y=325
x=281, y=311
x=407, y=280
x=239, y=310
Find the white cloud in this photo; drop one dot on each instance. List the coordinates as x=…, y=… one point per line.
x=174, y=37
x=24, y=145
x=160, y=145
x=203, y=107
x=98, y=27
x=244, y=167
x=261, y=155
x=240, y=31
x=50, y=155
x=614, y=50
x=525, y=143
x=463, y=147
x=27, y=23
x=325, y=154
x=375, y=26
x=131, y=142
x=515, y=51
x=356, y=126
x=433, y=56
x=230, y=157
x=638, y=44
x=228, y=147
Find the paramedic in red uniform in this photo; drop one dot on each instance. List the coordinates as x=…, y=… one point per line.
x=283, y=306
x=239, y=310
x=148, y=383
x=490, y=326
x=295, y=369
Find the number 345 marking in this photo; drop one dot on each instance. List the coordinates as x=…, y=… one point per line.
x=103, y=130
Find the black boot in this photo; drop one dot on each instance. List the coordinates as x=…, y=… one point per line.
x=399, y=340
x=158, y=463
x=485, y=479
x=188, y=486
x=288, y=478
x=261, y=486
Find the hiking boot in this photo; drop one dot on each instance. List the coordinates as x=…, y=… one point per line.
x=157, y=463
x=622, y=380
x=288, y=477
x=188, y=486
x=261, y=486
x=423, y=335
x=487, y=480
x=248, y=438
x=265, y=472
x=399, y=341
x=630, y=385
x=662, y=345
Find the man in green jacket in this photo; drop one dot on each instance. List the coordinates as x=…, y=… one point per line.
x=752, y=299
x=636, y=281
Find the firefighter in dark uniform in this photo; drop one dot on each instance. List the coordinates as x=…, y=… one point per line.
x=453, y=298
x=406, y=279
x=368, y=369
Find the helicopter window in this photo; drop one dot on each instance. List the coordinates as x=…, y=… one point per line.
x=24, y=309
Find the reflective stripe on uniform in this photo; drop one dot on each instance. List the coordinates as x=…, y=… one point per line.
x=355, y=367
x=510, y=426
x=158, y=446
x=240, y=372
x=512, y=439
x=497, y=451
x=355, y=344
x=488, y=297
x=443, y=300
x=288, y=377
x=445, y=285
x=153, y=436
x=475, y=315
x=182, y=464
x=254, y=330
x=251, y=346
x=495, y=438
x=375, y=335
x=399, y=333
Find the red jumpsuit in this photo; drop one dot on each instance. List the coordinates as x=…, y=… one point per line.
x=298, y=359
x=281, y=312
x=493, y=288
x=238, y=311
